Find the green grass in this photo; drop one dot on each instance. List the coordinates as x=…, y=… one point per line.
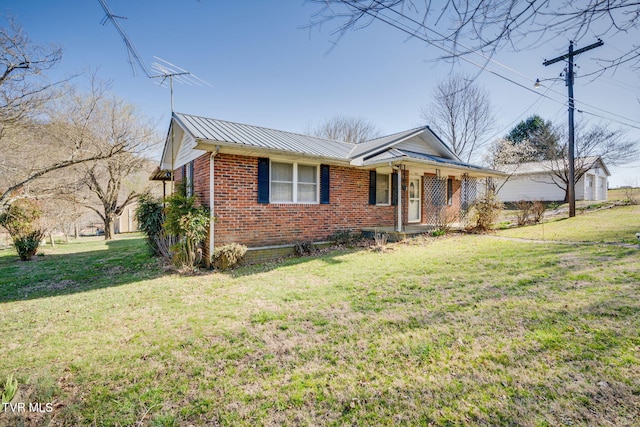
x=464, y=330
x=618, y=225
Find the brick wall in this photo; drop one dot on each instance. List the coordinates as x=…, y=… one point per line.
x=241, y=219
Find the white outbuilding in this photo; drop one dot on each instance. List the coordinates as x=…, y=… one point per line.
x=541, y=181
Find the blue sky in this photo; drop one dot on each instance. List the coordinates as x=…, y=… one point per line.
x=266, y=69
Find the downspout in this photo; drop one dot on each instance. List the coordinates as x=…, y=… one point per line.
x=212, y=220
x=399, y=205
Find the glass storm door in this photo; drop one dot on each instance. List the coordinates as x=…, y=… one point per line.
x=414, y=200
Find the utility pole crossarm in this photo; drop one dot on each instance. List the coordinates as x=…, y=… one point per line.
x=577, y=52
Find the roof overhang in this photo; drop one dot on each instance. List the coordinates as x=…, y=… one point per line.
x=396, y=157
x=160, y=175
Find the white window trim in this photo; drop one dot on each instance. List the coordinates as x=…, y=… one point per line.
x=389, y=189
x=295, y=183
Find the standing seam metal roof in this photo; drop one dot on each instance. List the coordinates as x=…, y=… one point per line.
x=223, y=131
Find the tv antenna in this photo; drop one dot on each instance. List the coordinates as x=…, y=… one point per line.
x=166, y=70
x=169, y=71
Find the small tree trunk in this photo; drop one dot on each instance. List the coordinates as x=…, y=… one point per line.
x=108, y=228
x=53, y=244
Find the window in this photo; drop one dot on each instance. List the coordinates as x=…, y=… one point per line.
x=294, y=183
x=282, y=182
x=307, y=183
x=449, y=191
x=383, y=188
x=383, y=184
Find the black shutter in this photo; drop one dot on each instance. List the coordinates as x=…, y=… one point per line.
x=394, y=189
x=372, y=187
x=324, y=184
x=263, y=180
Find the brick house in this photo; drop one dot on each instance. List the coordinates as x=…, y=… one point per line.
x=269, y=189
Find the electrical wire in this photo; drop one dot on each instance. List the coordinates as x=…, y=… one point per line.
x=414, y=33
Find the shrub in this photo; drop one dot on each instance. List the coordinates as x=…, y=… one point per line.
x=305, y=248
x=445, y=220
x=523, y=206
x=150, y=219
x=380, y=241
x=28, y=245
x=537, y=211
x=342, y=237
x=485, y=212
x=228, y=256
x=21, y=220
x=438, y=232
x=189, y=224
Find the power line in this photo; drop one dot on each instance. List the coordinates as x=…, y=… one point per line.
x=414, y=33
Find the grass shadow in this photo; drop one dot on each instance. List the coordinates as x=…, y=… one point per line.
x=82, y=266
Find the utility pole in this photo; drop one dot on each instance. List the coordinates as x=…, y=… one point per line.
x=571, y=189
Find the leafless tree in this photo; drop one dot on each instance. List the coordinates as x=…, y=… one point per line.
x=461, y=114
x=460, y=27
x=345, y=129
x=44, y=127
x=114, y=182
x=593, y=142
x=24, y=89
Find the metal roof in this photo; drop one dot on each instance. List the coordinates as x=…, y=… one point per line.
x=369, y=152
x=547, y=166
x=223, y=131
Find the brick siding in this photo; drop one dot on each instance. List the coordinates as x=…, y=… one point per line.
x=241, y=219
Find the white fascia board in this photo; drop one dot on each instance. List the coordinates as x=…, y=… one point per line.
x=437, y=165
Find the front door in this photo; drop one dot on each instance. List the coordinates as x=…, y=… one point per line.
x=414, y=199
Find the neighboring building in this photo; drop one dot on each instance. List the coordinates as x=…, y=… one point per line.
x=538, y=181
x=269, y=188
x=126, y=222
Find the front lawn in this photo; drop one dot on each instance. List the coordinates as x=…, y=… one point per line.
x=463, y=330
x=613, y=225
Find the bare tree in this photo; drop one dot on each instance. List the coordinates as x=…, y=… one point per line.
x=461, y=113
x=460, y=27
x=345, y=129
x=44, y=127
x=24, y=90
x=592, y=142
x=112, y=183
